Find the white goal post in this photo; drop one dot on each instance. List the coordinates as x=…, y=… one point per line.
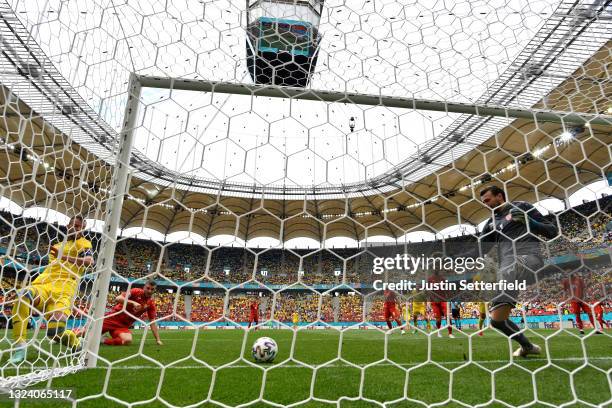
x=119, y=188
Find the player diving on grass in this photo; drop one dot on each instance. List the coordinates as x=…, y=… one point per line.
x=129, y=307
x=52, y=293
x=513, y=230
x=391, y=309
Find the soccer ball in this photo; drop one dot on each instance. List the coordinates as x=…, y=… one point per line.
x=264, y=350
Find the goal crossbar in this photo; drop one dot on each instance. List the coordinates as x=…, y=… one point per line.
x=538, y=115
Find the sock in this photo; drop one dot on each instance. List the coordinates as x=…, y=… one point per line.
x=579, y=321
x=590, y=314
x=438, y=323
x=56, y=330
x=601, y=322
x=480, y=323
x=510, y=329
x=389, y=324
x=450, y=329
x=21, y=316
x=399, y=323
x=70, y=339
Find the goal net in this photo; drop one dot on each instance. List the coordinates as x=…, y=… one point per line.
x=181, y=179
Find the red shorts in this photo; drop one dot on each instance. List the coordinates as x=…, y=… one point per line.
x=115, y=327
x=578, y=306
x=438, y=309
x=390, y=310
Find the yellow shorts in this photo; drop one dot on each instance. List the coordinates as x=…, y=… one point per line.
x=482, y=307
x=53, y=297
x=418, y=307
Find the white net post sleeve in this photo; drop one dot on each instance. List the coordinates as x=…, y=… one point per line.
x=119, y=187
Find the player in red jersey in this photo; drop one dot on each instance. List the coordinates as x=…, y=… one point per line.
x=574, y=286
x=254, y=313
x=129, y=307
x=391, y=309
x=438, y=305
x=600, y=309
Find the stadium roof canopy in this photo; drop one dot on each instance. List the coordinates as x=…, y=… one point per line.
x=564, y=66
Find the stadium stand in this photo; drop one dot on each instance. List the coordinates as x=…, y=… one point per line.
x=584, y=228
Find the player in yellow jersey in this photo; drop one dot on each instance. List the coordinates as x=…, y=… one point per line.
x=482, y=309
x=52, y=293
x=419, y=308
x=296, y=319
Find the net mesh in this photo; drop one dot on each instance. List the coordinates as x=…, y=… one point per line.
x=244, y=206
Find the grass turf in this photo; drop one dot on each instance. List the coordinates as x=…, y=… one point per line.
x=211, y=366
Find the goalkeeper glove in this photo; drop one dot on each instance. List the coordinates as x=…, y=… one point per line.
x=518, y=215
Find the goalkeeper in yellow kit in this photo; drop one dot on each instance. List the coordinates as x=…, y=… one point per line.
x=52, y=293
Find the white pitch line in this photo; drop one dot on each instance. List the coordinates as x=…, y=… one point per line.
x=293, y=365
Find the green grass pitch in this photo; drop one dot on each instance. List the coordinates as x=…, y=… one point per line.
x=351, y=368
